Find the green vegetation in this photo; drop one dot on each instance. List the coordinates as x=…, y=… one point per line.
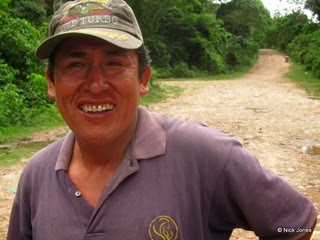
x=306, y=79
x=48, y=119
x=10, y=156
x=159, y=93
x=11, y=137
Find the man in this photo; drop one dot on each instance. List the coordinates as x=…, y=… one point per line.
x=125, y=173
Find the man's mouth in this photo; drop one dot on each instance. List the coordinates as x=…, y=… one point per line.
x=91, y=108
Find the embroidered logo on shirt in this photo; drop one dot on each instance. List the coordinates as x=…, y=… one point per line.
x=163, y=228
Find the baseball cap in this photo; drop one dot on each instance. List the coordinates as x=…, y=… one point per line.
x=110, y=20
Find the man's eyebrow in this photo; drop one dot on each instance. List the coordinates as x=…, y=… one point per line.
x=108, y=53
x=74, y=54
x=116, y=52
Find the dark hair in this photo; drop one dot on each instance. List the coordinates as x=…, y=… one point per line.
x=143, y=58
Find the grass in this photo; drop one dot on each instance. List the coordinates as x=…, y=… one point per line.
x=159, y=93
x=306, y=80
x=228, y=76
x=11, y=149
x=12, y=156
x=47, y=119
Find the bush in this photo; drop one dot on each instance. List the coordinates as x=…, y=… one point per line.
x=159, y=51
x=18, y=40
x=29, y=10
x=304, y=49
x=22, y=89
x=7, y=73
x=181, y=70
x=35, y=91
x=241, y=52
x=12, y=107
x=4, y=4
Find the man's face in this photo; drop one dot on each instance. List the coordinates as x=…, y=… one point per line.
x=97, y=89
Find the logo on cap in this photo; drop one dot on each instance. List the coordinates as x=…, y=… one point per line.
x=163, y=228
x=83, y=1
x=86, y=14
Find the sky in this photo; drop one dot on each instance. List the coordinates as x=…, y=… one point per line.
x=282, y=6
x=275, y=6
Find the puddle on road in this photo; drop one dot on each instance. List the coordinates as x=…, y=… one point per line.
x=312, y=150
x=309, y=146
x=36, y=145
x=32, y=144
x=11, y=152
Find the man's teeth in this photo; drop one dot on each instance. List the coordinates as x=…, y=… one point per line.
x=97, y=108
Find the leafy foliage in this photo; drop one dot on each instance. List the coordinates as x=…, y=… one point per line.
x=7, y=73
x=246, y=20
x=285, y=28
x=184, y=37
x=28, y=10
x=18, y=40
x=241, y=52
x=314, y=7
x=297, y=36
x=4, y=4
x=12, y=108
x=305, y=49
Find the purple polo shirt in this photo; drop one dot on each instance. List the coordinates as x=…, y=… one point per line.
x=178, y=180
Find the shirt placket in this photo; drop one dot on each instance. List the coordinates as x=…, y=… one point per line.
x=83, y=210
x=128, y=167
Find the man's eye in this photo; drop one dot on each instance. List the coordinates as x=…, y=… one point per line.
x=113, y=63
x=76, y=64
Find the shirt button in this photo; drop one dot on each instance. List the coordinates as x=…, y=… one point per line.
x=77, y=193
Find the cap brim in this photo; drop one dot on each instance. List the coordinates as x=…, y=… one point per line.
x=116, y=37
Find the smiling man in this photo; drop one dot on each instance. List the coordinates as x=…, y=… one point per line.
x=97, y=87
x=125, y=173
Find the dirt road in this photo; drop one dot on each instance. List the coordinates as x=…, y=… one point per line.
x=271, y=116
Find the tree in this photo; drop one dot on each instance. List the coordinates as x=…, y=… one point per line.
x=18, y=41
x=247, y=21
x=314, y=7
x=4, y=4
x=304, y=49
x=182, y=34
x=19, y=70
x=57, y=4
x=246, y=18
x=28, y=10
x=285, y=29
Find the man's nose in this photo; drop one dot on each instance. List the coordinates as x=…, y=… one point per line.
x=96, y=80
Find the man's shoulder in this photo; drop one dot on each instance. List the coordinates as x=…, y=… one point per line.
x=192, y=134
x=195, y=133
x=180, y=127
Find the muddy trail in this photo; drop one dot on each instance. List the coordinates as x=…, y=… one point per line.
x=271, y=116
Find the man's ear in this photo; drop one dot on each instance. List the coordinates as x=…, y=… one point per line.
x=144, y=81
x=51, y=88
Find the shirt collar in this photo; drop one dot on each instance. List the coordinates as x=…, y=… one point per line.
x=65, y=152
x=150, y=137
x=149, y=140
